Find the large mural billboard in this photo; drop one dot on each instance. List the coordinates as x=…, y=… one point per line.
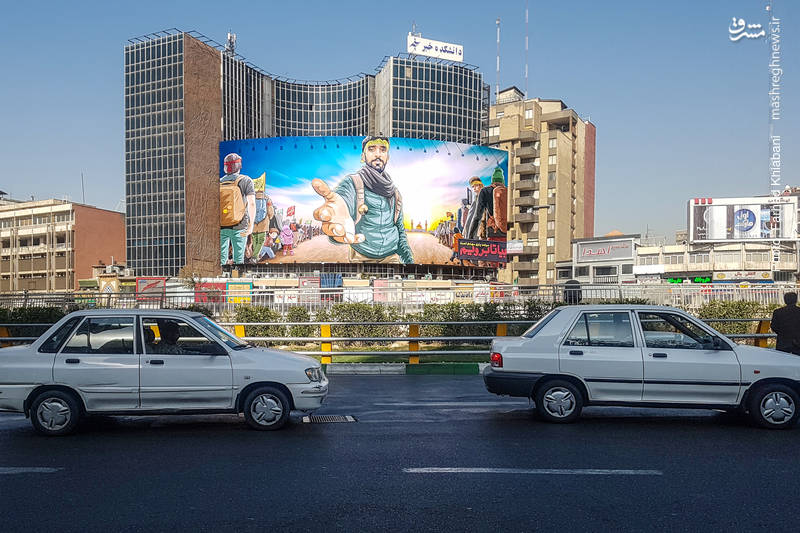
x=359, y=199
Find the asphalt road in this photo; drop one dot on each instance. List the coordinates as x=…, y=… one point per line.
x=616, y=469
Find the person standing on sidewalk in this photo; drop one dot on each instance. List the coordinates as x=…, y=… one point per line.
x=786, y=323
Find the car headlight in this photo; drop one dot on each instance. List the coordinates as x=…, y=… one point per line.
x=314, y=374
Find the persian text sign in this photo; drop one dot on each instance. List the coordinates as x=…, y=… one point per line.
x=416, y=44
x=589, y=252
x=474, y=250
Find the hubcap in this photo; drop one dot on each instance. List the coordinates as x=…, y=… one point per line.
x=54, y=414
x=777, y=407
x=559, y=402
x=266, y=409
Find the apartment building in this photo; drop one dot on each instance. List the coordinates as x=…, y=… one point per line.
x=551, y=182
x=48, y=245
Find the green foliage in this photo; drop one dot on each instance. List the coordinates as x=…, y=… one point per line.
x=359, y=313
x=31, y=315
x=256, y=313
x=737, y=309
x=300, y=314
x=195, y=308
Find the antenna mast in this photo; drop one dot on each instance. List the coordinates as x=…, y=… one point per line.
x=497, y=84
x=526, y=49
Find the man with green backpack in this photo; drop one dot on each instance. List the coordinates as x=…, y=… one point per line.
x=237, y=198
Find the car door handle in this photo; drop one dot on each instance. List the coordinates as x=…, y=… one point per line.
x=156, y=361
x=576, y=352
x=660, y=355
x=72, y=361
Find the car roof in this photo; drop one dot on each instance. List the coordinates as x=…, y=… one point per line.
x=621, y=307
x=129, y=312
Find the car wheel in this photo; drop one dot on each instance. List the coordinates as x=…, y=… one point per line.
x=266, y=408
x=774, y=406
x=55, y=413
x=559, y=401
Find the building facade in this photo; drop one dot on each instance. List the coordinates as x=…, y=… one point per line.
x=184, y=93
x=717, y=263
x=48, y=245
x=551, y=182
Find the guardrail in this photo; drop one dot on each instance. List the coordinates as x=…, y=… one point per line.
x=413, y=338
x=405, y=295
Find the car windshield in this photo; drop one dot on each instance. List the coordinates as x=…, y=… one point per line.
x=536, y=328
x=230, y=340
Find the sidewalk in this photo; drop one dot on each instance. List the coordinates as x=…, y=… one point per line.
x=395, y=369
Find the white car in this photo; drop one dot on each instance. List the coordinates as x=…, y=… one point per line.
x=641, y=355
x=146, y=362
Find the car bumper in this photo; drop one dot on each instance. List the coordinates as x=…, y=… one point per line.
x=309, y=396
x=510, y=383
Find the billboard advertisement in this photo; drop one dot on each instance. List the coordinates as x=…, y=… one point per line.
x=358, y=200
x=743, y=219
x=590, y=252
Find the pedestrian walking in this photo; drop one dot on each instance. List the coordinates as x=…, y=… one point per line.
x=786, y=323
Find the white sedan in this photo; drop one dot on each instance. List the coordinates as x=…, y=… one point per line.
x=640, y=355
x=146, y=362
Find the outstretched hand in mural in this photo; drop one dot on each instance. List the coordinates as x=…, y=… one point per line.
x=335, y=215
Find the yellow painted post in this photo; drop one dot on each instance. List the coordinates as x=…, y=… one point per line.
x=238, y=330
x=763, y=327
x=413, y=346
x=502, y=330
x=325, y=331
x=4, y=333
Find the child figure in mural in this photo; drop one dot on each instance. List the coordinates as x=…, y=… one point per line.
x=237, y=198
x=365, y=210
x=287, y=238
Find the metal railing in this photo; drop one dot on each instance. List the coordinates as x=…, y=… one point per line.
x=411, y=335
x=405, y=296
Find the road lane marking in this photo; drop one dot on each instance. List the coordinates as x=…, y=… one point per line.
x=448, y=404
x=4, y=470
x=535, y=471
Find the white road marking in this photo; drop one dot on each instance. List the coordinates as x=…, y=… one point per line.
x=535, y=471
x=27, y=470
x=448, y=404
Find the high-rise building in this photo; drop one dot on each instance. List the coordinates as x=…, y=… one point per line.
x=184, y=93
x=48, y=245
x=551, y=182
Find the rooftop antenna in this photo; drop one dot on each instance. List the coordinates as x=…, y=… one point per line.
x=83, y=191
x=230, y=44
x=497, y=83
x=526, y=49
x=414, y=29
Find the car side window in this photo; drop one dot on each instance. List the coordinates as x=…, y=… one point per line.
x=112, y=335
x=54, y=342
x=669, y=330
x=602, y=329
x=174, y=336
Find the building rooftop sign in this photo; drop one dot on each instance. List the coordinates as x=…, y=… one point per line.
x=418, y=45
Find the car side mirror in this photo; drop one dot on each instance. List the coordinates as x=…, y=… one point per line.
x=717, y=343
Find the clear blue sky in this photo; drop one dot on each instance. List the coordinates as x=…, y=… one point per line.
x=681, y=111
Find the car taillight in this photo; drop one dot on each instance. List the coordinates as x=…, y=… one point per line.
x=496, y=360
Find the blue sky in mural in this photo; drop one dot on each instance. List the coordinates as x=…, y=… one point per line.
x=432, y=176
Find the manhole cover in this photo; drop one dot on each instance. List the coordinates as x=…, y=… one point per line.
x=327, y=419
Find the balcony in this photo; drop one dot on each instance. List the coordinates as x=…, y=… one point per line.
x=526, y=168
x=528, y=151
x=526, y=217
x=526, y=185
x=526, y=200
x=606, y=279
x=525, y=266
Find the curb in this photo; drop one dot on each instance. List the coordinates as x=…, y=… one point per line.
x=396, y=369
